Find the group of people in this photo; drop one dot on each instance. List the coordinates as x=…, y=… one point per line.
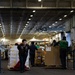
x=23, y=52
x=63, y=44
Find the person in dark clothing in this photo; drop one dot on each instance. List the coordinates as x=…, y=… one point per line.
x=54, y=43
x=6, y=54
x=63, y=52
x=32, y=53
x=23, y=52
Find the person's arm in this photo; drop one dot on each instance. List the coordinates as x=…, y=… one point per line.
x=19, y=48
x=36, y=48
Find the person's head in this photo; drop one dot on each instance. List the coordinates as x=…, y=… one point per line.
x=64, y=38
x=16, y=44
x=24, y=41
x=54, y=41
x=32, y=43
x=35, y=43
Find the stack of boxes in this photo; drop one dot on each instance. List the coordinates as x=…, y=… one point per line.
x=13, y=57
x=39, y=57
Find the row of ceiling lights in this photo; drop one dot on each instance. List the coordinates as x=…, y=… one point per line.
x=30, y=18
x=28, y=21
x=60, y=19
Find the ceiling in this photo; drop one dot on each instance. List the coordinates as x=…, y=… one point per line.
x=17, y=18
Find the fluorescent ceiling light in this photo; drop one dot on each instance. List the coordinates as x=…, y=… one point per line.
x=65, y=15
x=31, y=15
x=72, y=11
x=34, y=11
x=60, y=19
x=39, y=0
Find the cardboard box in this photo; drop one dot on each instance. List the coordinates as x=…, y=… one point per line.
x=52, y=56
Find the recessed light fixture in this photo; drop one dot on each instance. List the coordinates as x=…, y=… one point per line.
x=31, y=15
x=60, y=19
x=53, y=24
x=72, y=11
x=65, y=15
x=29, y=18
x=26, y=24
x=56, y=22
x=39, y=0
x=27, y=21
x=34, y=11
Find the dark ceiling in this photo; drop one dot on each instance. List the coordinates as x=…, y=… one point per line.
x=15, y=15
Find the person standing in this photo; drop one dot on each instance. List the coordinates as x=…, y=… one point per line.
x=23, y=52
x=32, y=53
x=63, y=51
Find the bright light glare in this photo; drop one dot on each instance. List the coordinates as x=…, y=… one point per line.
x=3, y=39
x=72, y=11
x=65, y=15
x=49, y=26
x=34, y=11
x=31, y=15
x=60, y=19
x=19, y=40
x=39, y=0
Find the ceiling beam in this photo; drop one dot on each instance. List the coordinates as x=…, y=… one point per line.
x=20, y=23
x=11, y=3
x=37, y=24
x=58, y=4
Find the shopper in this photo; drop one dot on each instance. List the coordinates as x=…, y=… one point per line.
x=54, y=43
x=63, y=51
x=23, y=52
x=32, y=53
x=37, y=45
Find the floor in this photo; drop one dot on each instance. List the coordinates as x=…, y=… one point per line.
x=36, y=71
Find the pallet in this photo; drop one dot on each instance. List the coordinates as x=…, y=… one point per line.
x=52, y=66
